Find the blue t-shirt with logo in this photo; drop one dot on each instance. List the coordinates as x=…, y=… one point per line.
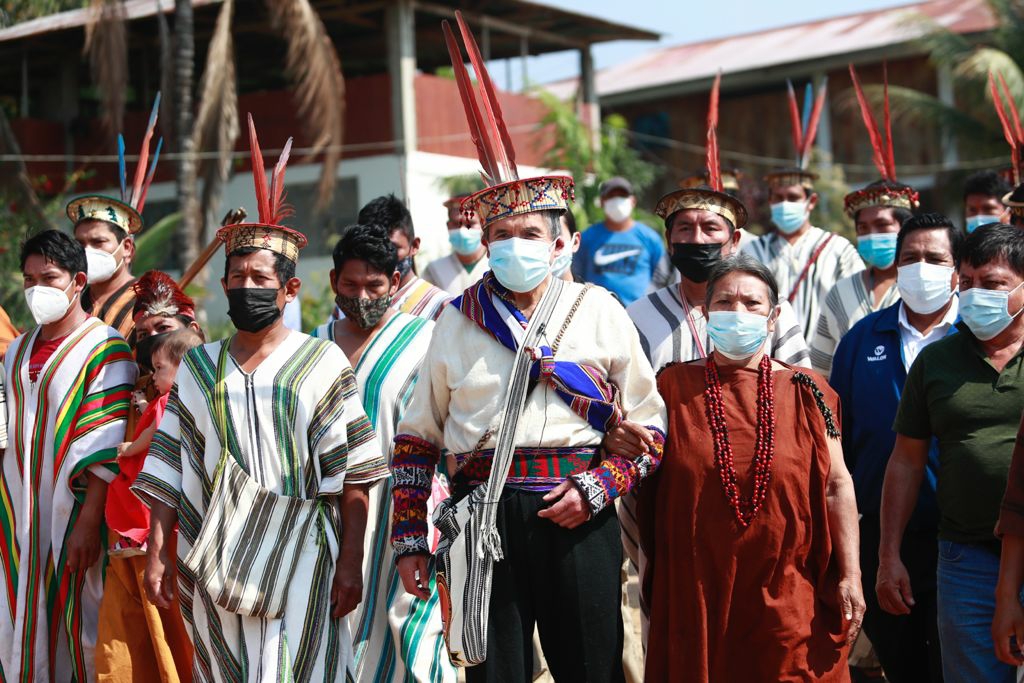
x=621, y=262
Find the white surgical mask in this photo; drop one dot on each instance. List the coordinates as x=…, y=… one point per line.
x=924, y=287
x=48, y=304
x=618, y=209
x=101, y=264
x=519, y=264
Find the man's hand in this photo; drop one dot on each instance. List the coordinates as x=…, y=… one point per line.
x=84, y=543
x=347, y=588
x=1008, y=624
x=893, y=587
x=851, y=601
x=628, y=440
x=570, y=511
x=412, y=569
x=160, y=578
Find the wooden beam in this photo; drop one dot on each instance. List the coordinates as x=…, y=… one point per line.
x=479, y=20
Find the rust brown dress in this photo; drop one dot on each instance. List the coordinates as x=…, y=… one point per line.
x=727, y=603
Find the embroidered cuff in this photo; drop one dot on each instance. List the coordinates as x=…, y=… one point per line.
x=412, y=464
x=616, y=475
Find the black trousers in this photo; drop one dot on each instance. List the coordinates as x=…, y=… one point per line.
x=907, y=645
x=566, y=581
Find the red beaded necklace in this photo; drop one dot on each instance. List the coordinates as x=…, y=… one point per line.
x=744, y=508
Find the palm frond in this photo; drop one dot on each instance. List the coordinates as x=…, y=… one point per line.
x=313, y=66
x=987, y=60
x=944, y=47
x=217, y=125
x=106, y=44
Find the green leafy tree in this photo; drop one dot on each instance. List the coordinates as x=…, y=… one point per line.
x=589, y=164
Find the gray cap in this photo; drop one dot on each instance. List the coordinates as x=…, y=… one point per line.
x=616, y=183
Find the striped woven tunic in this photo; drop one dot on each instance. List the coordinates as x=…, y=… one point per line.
x=395, y=636
x=69, y=421
x=301, y=431
x=833, y=259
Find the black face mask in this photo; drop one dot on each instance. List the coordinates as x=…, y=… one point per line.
x=144, y=352
x=694, y=261
x=252, y=309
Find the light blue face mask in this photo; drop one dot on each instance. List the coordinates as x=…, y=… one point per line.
x=465, y=241
x=737, y=334
x=878, y=249
x=987, y=311
x=788, y=217
x=975, y=222
x=562, y=262
x=520, y=265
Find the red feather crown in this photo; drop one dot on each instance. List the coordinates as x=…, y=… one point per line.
x=888, y=191
x=506, y=195
x=267, y=233
x=156, y=293
x=712, y=195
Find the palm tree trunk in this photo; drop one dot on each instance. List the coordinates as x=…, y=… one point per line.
x=188, y=237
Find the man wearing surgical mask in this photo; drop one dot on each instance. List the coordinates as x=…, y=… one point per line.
x=109, y=250
x=468, y=261
x=877, y=221
x=965, y=392
x=557, y=511
x=807, y=261
x=868, y=372
x=68, y=382
x=619, y=253
x=983, y=199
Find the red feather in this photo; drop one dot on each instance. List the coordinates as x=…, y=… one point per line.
x=1008, y=131
x=478, y=132
x=812, y=125
x=504, y=153
x=278, y=210
x=869, y=122
x=794, y=119
x=714, y=172
x=259, y=176
x=1012, y=104
x=140, y=168
x=890, y=156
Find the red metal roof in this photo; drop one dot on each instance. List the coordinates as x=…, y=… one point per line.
x=787, y=45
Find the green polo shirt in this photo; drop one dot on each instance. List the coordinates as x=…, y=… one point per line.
x=954, y=394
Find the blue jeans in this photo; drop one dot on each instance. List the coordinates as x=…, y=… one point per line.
x=966, y=604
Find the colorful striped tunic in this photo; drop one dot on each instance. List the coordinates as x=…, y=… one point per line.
x=396, y=637
x=822, y=258
x=846, y=304
x=299, y=430
x=449, y=274
x=69, y=421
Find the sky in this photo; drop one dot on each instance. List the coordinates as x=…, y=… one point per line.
x=680, y=21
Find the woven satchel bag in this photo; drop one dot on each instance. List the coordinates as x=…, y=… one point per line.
x=470, y=543
x=249, y=544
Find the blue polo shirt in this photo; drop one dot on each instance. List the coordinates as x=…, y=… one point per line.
x=868, y=373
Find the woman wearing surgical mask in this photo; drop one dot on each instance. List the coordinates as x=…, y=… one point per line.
x=468, y=261
x=752, y=461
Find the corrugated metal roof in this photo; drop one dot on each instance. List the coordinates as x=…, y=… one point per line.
x=787, y=45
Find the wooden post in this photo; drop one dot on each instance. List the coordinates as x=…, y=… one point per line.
x=588, y=95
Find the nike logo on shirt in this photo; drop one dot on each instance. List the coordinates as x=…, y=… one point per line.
x=601, y=258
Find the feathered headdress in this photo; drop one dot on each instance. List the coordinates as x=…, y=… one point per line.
x=267, y=233
x=710, y=196
x=126, y=213
x=156, y=293
x=888, y=191
x=1011, y=125
x=804, y=129
x=506, y=195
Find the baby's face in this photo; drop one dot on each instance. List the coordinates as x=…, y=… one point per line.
x=164, y=370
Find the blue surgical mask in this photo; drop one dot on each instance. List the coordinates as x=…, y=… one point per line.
x=562, y=262
x=737, y=334
x=987, y=311
x=788, y=217
x=975, y=222
x=465, y=241
x=878, y=249
x=520, y=265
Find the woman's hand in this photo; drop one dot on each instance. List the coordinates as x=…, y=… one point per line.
x=628, y=440
x=851, y=601
x=412, y=569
